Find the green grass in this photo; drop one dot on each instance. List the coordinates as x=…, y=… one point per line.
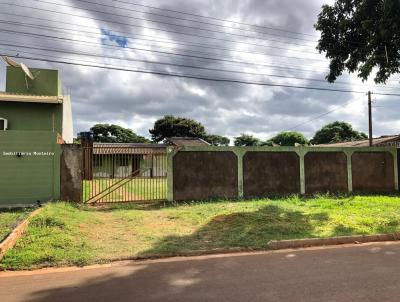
x=9, y=219
x=136, y=189
x=67, y=234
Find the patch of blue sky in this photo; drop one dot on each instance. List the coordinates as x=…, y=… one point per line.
x=109, y=36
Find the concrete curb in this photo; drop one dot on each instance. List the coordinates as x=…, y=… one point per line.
x=11, y=239
x=301, y=243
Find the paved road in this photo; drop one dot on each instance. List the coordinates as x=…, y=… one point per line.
x=369, y=272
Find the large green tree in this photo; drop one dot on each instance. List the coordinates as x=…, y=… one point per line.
x=337, y=132
x=171, y=126
x=106, y=133
x=246, y=140
x=360, y=35
x=289, y=139
x=218, y=140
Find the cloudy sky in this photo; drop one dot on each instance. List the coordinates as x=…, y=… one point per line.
x=129, y=34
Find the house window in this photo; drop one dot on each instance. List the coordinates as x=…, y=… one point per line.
x=123, y=161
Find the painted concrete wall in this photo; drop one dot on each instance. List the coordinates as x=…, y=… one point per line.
x=270, y=173
x=325, y=172
x=29, y=167
x=205, y=175
x=372, y=172
x=67, y=122
x=32, y=117
x=194, y=172
x=46, y=82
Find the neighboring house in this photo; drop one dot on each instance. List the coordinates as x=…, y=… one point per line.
x=122, y=160
x=35, y=118
x=186, y=142
x=383, y=141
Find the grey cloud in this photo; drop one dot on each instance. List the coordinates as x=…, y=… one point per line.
x=137, y=100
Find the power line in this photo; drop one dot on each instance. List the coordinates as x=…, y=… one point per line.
x=175, y=54
x=182, y=19
x=157, y=29
x=213, y=24
x=179, y=75
x=140, y=49
x=175, y=64
x=213, y=18
x=189, y=76
x=226, y=62
x=152, y=21
x=323, y=114
x=177, y=42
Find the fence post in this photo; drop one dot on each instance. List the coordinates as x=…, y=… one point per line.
x=395, y=154
x=240, y=154
x=349, y=154
x=302, y=152
x=170, y=173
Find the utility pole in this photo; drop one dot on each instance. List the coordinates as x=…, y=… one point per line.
x=370, y=118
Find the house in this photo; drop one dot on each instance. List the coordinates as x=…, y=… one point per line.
x=35, y=105
x=124, y=160
x=35, y=118
x=383, y=141
x=186, y=142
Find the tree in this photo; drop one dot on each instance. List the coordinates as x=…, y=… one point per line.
x=289, y=139
x=360, y=35
x=106, y=133
x=337, y=132
x=171, y=126
x=245, y=140
x=218, y=140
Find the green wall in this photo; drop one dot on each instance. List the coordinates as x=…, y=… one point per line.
x=34, y=175
x=32, y=116
x=46, y=82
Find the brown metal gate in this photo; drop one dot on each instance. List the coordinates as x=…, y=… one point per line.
x=124, y=173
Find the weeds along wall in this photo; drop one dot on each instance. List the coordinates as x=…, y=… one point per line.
x=197, y=173
x=29, y=167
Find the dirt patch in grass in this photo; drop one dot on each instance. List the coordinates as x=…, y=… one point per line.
x=67, y=234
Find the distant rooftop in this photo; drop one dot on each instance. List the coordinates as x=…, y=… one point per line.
x=186, y=142
x=128, y=148
x=386, y=140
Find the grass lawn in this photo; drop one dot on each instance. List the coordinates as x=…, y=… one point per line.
x=9, y=219
x=67, y=234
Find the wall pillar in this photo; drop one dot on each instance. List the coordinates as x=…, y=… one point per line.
x=396, y=170
x=170, y=173
x=71, y=173
x=349, y=154
x=301, y=152
x=240, y=154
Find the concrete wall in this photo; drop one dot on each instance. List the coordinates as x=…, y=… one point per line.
x=32, y=116
x=29, y=167
x=209, y=172
x=46, y=82
x=205, y=175
x=268, y=173
x=325, y=172
x=372, y=172
x=71, y=173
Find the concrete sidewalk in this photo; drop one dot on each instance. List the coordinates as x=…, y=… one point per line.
x=369, y=272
